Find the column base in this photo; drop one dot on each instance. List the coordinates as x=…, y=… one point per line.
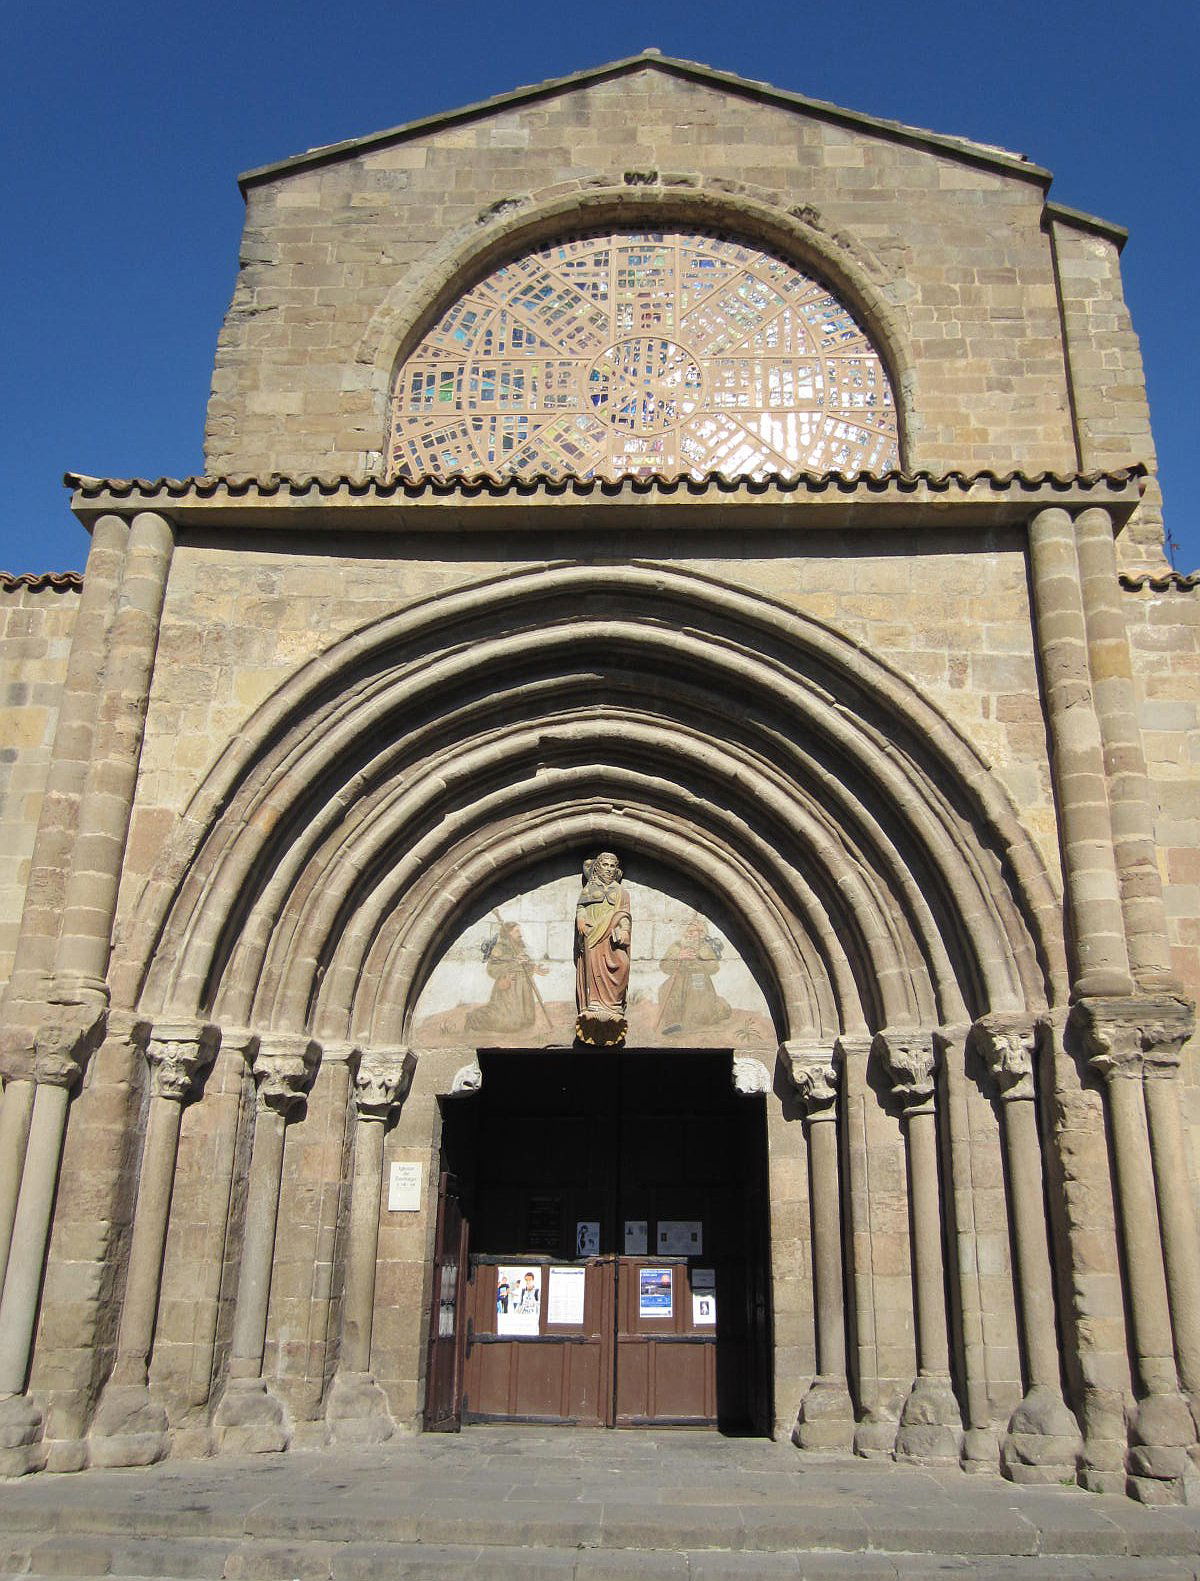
x=1043, y=1443
x=826, y=1417
x=931, y=1431
x=981, y=1451
x=356, y=1411
x=129, y=1428
x=1159, y=1462
x=250, y=1420
x=21, y=1446
x=875, y=1437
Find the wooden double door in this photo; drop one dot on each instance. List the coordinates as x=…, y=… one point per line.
x=609, y=1212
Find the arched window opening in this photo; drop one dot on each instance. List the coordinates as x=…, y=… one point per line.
x=653, y=353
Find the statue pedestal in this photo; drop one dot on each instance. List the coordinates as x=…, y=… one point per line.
x=600, y=1028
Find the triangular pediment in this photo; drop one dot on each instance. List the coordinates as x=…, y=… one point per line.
x=718, y=82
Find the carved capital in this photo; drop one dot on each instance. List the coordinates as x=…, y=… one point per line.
x=813, y=1070
x=909, y=1058
x=1137, y=1035
x=1007, y=1044
x=381, y=1081
x=283, y=1069
x=71, y=1033
x=177, y=1055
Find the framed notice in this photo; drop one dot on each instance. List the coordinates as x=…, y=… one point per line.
x=404, y=1188
x=637, y=1233
x=704, y=1308
x=680, y=1238
x=656, y=1292
x=564, y=1295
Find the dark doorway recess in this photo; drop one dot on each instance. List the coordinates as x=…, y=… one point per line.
x=614, y=1231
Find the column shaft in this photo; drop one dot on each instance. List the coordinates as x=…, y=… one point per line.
x=1177, y=1220
x=31, y=1231
x=933, y=1354
x=258, y=1247
x=1148, y=1311
x=1101, y=963
x=1124, y=760
x=358, y=1312
x=15, y=1116
x=104, y=814
x=149, y=1238
x=1034, y=1282
x=827, y=1245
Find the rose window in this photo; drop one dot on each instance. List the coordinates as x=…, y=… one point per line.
x=647, y=353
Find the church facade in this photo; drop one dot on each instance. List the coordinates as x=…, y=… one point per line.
x=629, y=854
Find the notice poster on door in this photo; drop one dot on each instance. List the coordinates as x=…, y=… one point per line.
x=518, y=1299
x=564, y=1295
x=655, y=1291
x=680, y=1238
x=704, y=1308
x=636, y=1237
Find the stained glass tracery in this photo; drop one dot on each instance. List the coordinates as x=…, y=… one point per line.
x=647, y=353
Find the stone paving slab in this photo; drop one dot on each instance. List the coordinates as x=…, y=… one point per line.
x=525, y=1503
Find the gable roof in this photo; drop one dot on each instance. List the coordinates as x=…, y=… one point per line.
x=963, y=148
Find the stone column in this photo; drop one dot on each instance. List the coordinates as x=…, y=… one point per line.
x=357, y=1409
x=24, y=1009
x=61, y=1053
x=1121, y=1036
x=1101, y=963
x=91, y=898
x=930, y=1422
x=130, y=1426
x=250, y=1419
x=826, y=1416
x=1043, y=1442
x=15, y=1116
x=1130, y=799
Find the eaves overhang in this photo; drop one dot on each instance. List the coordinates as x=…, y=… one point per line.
x=980, y=154
x=444, y=506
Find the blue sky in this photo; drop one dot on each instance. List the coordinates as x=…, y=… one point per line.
x=125, y=125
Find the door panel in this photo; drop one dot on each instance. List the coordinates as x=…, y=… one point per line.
x=443, y=1392
x=554, y=1140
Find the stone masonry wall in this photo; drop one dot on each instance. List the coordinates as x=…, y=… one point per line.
x=1108, y=386
x=954, y=253
x=238, y=624
x=35, y=638
x=1164, y=639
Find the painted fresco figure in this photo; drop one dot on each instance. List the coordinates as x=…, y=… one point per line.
x=603, y=932
x=688, y=999
x=514, y=1001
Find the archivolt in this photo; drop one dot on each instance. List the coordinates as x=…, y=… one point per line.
x=880, y=875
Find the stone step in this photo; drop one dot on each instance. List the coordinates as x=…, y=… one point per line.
x=82, y=1558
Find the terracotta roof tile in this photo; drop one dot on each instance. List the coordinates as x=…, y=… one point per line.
x=1160, y=581
x=463, y=485
x=42, y=581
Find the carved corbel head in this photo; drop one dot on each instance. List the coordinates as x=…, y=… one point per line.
x=381, y=1081
x=283, y=1068
x=177, y=1054
x=909, y=1059
x=813, y=1070
x=1008, y=1044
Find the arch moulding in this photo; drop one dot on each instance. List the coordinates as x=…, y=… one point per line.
x=511, y=225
